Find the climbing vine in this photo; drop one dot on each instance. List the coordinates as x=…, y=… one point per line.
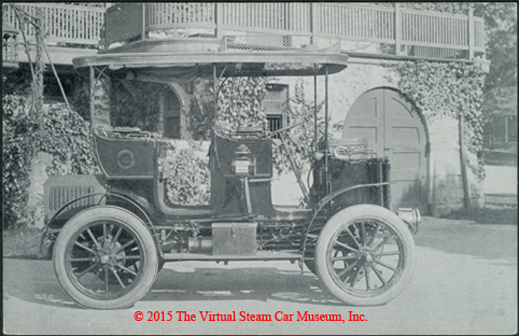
x=239, y=105
x=186, y=165
x=299, y=139
x=60, y=133
x=448, y=89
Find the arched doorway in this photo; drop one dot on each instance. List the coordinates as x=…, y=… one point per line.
x=171, y=107
x=394, y=129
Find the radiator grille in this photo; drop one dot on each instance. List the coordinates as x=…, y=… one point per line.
x=59, y=190
x=61, y=195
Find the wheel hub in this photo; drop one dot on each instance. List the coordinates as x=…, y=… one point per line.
x=104, y=259
x=106, y=253
x=368, y=257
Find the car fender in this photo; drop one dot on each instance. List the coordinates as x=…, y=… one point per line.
x=54, y=225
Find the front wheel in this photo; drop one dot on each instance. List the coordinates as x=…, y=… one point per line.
x=365, y=255
x=105, y=258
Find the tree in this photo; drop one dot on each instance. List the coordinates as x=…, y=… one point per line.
x=500, y=89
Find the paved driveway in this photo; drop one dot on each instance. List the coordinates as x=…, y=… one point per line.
x=465, y=282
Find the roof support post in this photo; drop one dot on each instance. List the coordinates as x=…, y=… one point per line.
x=316, y=134
x=326, y=170
x=143, y=34
x=92, y=100
x=215, y=95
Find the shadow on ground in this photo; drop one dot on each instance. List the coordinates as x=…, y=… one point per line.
x=35, y=282
x=238, y=284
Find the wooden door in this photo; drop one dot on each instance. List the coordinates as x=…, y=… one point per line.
x=393, y=128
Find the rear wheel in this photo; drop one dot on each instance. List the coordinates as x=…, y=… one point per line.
x=105, y=258
x=365, y=255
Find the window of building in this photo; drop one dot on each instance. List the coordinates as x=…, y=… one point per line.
x=276, y=105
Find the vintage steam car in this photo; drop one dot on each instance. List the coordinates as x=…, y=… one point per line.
x=110, y=234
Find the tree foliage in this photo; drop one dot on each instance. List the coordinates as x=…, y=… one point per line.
x=441, y=7
x=501, y=31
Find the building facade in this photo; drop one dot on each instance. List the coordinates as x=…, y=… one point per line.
x=364, y=99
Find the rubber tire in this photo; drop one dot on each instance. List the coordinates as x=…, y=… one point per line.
x=343, y=218
x=134, y=224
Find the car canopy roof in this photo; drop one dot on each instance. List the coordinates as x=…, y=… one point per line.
x=185, y=66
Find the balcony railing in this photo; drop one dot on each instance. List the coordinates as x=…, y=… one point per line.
x=410, y=32
x=80, y=25
x=9, y=47
x=399, y=30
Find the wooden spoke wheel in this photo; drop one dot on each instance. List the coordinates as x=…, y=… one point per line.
x=365, y=255
x=105, y=258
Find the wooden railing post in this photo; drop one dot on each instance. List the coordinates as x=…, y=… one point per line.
x=316, y=24
x=398, y=29
x=311, y=23
x=218, y=8
x=143, y=34
x=471, y=34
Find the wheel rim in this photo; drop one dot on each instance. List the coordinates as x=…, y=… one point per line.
x=366, y=257
x=103, y=259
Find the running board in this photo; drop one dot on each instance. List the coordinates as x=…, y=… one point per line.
x=260, y=256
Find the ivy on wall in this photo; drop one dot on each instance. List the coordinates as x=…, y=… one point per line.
x=187, y=172
x=62, y=134
x=240, y=104
x=66, y=137
x=447, y=89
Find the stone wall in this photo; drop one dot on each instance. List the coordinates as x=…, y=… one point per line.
x=445, y=188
